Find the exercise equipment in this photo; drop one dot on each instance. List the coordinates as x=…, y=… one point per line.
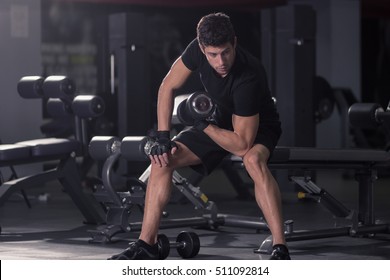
x=187, y=245
x=59, y=87
x=371, y=117
x=120, y=204
x=365, y=163
x=137, y=148
x=300, y=162
x=366, y=115
x=64, y=153
x=30, y=87
x=197, y=106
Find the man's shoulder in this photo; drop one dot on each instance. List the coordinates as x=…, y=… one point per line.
x=192, y=54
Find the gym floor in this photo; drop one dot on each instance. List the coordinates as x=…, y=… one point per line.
x=53, y=228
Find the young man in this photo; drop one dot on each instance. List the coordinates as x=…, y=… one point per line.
x=245, y=123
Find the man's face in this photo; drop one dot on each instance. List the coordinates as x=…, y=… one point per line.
x=220, y=58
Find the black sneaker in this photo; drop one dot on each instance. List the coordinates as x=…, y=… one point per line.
x=280, y=252
x=138, y=250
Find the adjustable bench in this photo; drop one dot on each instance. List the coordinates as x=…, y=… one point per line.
x=364, y=162
x=59, y=91
x=66, y=172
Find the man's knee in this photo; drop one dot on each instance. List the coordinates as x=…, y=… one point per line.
x=258, y=155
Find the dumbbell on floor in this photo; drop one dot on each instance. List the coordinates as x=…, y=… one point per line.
x=198, y=106
x=187, y=245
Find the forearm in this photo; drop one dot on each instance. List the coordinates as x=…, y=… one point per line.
x=164, y=108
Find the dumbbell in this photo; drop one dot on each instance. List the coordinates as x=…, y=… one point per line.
x=198, y=106
x=367, y=115
x=187, y=245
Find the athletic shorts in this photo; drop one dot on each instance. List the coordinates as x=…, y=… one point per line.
x=211, y=154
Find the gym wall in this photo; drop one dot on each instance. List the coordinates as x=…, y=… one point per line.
x=20, y=55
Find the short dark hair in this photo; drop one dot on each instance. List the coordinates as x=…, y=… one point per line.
x=215, y=30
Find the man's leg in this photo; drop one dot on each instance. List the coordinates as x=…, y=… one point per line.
x=266, y=190
x=158, y=192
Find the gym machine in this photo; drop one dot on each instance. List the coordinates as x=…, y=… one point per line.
x=120, y=204
x=365, y=163
x=59, y=91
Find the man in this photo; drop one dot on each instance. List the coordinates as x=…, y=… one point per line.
x=245, y=124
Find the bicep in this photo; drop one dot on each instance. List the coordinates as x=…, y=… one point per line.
x=246, y=127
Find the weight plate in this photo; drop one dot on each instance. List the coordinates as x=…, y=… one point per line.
x=163, y=246
x=191, y=244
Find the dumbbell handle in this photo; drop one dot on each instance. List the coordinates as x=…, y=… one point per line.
x=179, y=245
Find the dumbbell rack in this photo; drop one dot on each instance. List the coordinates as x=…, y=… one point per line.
x=119, y=206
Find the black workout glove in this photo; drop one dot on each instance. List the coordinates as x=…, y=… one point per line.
x=163, y=144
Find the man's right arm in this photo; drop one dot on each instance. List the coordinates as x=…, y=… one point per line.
x=175, y=78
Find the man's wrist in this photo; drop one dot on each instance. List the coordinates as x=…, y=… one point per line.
x=163, y=134
x=201, y=125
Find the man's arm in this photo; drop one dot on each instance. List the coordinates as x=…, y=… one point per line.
x=239, y=141
x=175, y=78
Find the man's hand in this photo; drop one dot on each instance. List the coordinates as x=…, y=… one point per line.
x=162, y=149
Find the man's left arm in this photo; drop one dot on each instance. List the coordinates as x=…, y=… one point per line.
x=238, y=141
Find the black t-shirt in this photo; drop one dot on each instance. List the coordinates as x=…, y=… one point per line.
x=243, y=92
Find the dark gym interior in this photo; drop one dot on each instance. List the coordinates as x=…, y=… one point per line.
x=92, y=69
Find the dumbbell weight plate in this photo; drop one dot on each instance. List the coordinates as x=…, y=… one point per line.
x=183, y=114
x=192, y=244
x=200, y=106
x=164, y=247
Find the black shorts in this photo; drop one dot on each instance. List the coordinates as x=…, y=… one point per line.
x=211, y=154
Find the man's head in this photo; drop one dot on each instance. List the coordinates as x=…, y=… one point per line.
x=217, y=40
x=215, y=30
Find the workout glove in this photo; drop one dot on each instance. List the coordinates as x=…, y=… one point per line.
x=163, y=144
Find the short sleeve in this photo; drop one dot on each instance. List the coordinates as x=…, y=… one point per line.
x=246, y=99
x=192, y=56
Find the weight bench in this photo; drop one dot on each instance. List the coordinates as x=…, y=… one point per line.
x=365, y=164
x=59, y=91
x=119, y=205
x=299, y=161
x=66, y=172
